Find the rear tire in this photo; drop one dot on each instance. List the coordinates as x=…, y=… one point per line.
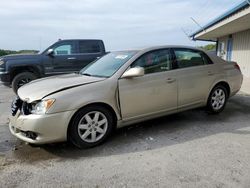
x=22, y=79
x=90, y=127
x=217, y=99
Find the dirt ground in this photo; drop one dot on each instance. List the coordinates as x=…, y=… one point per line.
x=189, y=149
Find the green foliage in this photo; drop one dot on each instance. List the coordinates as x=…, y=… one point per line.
x=3, y=52
x=9, y=52
x=209, y=47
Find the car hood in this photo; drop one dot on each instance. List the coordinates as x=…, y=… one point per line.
x=23, y=56
x=38, y=89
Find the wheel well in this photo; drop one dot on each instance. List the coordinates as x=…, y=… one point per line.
x=226, y=85
x=108, y=107
x=19, y=70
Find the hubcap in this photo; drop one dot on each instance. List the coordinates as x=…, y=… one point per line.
x=93, y=126
x=218, y=99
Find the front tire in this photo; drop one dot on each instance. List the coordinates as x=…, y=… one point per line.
x=217, y=99
x=22, y=79
x=90, y=127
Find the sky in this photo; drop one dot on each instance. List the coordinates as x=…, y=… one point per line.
x=122, y=24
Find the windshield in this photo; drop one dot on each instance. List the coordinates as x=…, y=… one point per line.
x=108, y=64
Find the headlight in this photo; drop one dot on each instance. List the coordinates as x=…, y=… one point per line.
x=1, y=62
x=42, y=106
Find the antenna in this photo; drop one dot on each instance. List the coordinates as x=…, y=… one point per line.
x=40, y=44
x=183, y=30
x=197, y=23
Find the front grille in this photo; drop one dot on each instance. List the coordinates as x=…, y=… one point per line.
x=29, y=134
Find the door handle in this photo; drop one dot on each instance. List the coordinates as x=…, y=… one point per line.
x=171, y=80
x=71, y=58
x=210, y=73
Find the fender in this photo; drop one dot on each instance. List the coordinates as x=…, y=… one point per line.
x=214, y=84
x=15, y=66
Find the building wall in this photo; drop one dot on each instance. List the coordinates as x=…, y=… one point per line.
x=240, y=50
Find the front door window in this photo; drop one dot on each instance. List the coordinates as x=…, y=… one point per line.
x=64, y=48
x=156, y=61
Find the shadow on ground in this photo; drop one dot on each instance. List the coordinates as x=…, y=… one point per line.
x=150, y=135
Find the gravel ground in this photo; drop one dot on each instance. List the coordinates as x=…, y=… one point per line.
x=189, y=149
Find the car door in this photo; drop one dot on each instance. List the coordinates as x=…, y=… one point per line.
x=195, y=75
x=88, y=51
x=64, y=59
x=152, y=93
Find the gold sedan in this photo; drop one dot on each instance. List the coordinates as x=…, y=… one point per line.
x=120, y=89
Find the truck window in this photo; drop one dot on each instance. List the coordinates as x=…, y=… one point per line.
x=89, y=47
x=64, y=48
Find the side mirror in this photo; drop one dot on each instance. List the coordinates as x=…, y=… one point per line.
x=133, y=72
x=50, y=52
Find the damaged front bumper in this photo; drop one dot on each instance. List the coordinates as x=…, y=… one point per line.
x=40, y=129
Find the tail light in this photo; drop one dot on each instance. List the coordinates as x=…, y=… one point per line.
x=237, y=66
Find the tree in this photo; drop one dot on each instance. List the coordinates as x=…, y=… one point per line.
x=8, y=52
x=3, y=52
x=209, y=47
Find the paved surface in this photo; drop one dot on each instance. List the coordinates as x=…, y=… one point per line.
x=246, y=85
x=191, y=149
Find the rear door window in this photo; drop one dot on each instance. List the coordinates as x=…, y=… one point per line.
x=190, y=58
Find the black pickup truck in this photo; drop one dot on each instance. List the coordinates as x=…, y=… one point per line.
x=64, y=56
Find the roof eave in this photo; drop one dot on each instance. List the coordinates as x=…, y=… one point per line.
x=220, y=18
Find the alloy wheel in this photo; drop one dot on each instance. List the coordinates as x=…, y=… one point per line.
x=93, y=126
x=218, y=99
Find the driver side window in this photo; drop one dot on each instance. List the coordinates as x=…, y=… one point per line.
x=65, y=48
x=156, y=61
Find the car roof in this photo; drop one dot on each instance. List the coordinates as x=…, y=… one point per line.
x=147, y=49
x=170, y=46
x=79, y=40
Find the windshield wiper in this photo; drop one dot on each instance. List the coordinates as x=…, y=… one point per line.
x=86, y=74
x=100, y=76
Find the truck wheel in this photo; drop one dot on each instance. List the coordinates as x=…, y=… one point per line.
x=22, y=79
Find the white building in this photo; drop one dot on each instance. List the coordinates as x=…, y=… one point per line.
x=231, y=31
